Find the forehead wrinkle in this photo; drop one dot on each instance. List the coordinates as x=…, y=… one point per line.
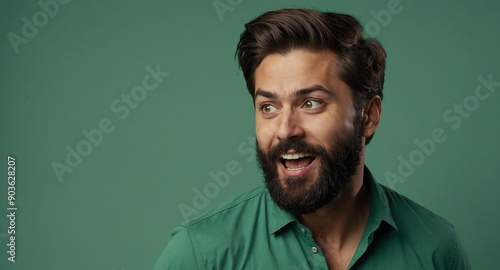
x=265, y=93
x=311, y=89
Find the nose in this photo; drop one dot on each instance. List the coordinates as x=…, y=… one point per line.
x=289, y=126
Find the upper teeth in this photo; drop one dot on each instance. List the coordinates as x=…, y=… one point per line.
x=294, y=156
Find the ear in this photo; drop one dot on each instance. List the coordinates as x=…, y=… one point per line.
x=371, y=116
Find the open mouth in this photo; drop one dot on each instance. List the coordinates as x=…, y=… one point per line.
x=296, y=161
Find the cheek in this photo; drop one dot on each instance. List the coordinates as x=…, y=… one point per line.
x=323, y=130
x=265, y=135
x=320, y=134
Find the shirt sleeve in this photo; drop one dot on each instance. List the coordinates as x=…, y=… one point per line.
x=460, y=258
x=179, y=252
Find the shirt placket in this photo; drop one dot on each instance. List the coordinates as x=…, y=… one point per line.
x=314, y=257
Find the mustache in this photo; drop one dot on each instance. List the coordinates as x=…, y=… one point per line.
x=296, y=144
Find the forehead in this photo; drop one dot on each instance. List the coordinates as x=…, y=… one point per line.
x=285, y=73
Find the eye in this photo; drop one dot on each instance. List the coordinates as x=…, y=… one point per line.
x=312, y=104
x=268, y=109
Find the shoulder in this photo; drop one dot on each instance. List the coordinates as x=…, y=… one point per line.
x=179, y=252
x=234, y=209
x=410, y=215
x=421, y=228
x=218, y=229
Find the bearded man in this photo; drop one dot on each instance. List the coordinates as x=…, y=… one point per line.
x=316, y=84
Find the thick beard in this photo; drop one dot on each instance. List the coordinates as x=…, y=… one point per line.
x=335, y=174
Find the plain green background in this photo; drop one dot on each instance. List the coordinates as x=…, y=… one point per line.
x=116, y=209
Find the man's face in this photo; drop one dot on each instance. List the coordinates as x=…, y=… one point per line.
x=309, y=139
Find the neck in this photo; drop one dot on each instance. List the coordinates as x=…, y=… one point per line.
x=342, y=220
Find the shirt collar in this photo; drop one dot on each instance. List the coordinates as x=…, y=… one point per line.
x=379, y=208
x=278, y=218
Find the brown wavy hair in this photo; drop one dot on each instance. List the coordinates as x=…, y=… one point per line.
x=361, y=61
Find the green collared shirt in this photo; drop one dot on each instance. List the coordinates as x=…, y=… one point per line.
x=252, y=232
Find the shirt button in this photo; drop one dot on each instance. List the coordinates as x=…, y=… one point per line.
x=303, y=230
x=314, y=249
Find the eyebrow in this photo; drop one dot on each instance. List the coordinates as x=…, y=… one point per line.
x=299, y=92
